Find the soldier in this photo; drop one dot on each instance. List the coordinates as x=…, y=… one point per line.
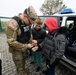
x=18, y=38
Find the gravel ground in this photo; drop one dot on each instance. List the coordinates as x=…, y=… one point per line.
x=8, y=67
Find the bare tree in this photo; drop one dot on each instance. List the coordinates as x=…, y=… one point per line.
x=50, y=7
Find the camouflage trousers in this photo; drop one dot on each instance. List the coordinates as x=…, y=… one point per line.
x=20, y=66
x=19, y=60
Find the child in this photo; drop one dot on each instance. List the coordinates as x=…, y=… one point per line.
x=38, y=35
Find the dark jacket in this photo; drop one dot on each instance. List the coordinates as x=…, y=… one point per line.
x=39, y=35
x=54, y=44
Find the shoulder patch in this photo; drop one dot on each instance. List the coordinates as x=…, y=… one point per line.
x=10, y=25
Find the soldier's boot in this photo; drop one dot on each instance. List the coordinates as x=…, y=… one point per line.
x=27, y=71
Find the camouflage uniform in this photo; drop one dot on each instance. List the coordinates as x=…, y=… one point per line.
x=18, y=49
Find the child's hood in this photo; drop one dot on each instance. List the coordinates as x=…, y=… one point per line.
x=51, y=24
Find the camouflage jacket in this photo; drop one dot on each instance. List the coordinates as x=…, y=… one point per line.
x=11, y=32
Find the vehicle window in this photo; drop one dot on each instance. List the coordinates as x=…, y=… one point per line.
x=69, y=24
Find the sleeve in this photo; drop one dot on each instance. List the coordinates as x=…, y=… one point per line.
x=31, y=38
x=60, y=44
x=42, y=44
x=11, y=33
x=42, y=37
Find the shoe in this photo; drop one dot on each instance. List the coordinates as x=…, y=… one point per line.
x=27, y=71
x=32, y=62
x=44, y=72
x=38, y=69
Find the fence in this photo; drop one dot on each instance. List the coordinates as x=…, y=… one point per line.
x=3, y=23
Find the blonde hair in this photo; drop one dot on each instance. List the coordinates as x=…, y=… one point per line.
x=38, y=20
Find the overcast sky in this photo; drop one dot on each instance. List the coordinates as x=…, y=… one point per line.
x=11, y=8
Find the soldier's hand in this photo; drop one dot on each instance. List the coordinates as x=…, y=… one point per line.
x=29, y=45
x=35, y=48
x=34, y=42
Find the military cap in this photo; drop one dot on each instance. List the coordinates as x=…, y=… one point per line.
x=30, y=11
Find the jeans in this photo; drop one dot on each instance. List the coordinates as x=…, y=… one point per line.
x=51, y=70
x=37, y=57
